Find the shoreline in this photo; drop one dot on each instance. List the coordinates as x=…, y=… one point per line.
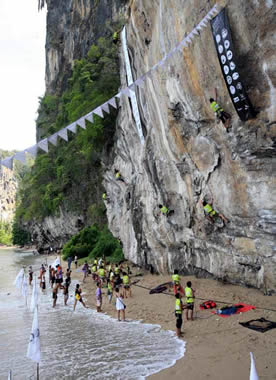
x=220, y=345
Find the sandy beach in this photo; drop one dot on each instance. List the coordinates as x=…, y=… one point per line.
x=216, y=348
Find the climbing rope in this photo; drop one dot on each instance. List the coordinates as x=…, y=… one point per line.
x=204, y=299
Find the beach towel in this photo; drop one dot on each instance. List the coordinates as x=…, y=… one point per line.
x=235, y=309
x=261, y=325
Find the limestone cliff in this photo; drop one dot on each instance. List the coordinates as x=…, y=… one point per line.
x=187, y=155
x=8, y=187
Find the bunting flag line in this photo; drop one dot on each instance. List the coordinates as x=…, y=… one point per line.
x=128, y=91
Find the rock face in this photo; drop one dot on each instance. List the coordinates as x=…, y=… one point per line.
x=8, y=187
x=188, y=156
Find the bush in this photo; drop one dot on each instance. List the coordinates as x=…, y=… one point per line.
x=93, y=242
x=82, y=243
x=20, y=236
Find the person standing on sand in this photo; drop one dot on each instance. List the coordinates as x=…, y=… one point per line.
x=120, y=306
x=43, y=282
x=99, y=298
x=126, y=285
x=190, y=299
x=109, y=290
x=55, y=292
x=69, y=262
x=66, y=289
x=85, y=269
x=178, y=314
x=76, y=261
x=30, y=275
x=78, y=297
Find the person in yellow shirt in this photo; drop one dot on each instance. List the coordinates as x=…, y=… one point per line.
x=219, y=111
x=190, y=299
x=178, y=314
x=126, y=283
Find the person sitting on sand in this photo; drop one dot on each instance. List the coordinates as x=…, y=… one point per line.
x=99, y=298
x=120, y=306
x=190, y=299
x=78, y=296
x=178, y=314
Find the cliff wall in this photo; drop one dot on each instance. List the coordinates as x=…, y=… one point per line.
x=8, y=187
x=188, y=155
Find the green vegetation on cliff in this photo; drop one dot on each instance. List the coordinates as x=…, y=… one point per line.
x=93, y=242
x=5, y=233
x=70, y=175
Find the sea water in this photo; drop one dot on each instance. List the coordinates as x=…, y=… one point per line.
x=74, y=345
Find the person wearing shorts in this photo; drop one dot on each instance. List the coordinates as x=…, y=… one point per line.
x=78, y=296
x=190, y=298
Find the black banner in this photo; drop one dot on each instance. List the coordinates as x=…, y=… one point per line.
x=228, y=63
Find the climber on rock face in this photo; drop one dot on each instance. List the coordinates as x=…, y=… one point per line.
x=165, y=210
x=212, y=214
x=115, y=37
x=219, y=111
x=118, y=176
x=105, y=197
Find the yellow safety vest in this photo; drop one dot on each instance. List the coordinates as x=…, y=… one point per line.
x=101, y=272
x=94, y=268
x=209, y=209
x=96, y=262
x=216, y=107
x=116, y=270
x=109, y=287
x=118, y=175
x=109, y=268
x=178, y=306
x=115, y=36
x=125, y=280
x=111, y=275
x=164, y=210
x=175, y=278
x=189, y=295
x=104, y=196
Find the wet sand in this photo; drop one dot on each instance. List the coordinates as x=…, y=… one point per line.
x=216, y=348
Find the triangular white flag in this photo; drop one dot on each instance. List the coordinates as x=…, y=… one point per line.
x=20, y=156
x=24, y=289
x=32, y=150
x=253, y=371
x=183, y=43
x=63, y=134
x=72, y=127
x=98, y=111
x=33, y=352
x=34, y=301
x=126, y=92
x=53, y=139
x=209, y=16
x=81, y=123
x=140, y=82
x=19, y=279
x=118, y=95
x=214, y=10
x=89, y=117
x=112, y=102
x=195, y=32
x=8, y=162
x=105, y=107
x=43, y=145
